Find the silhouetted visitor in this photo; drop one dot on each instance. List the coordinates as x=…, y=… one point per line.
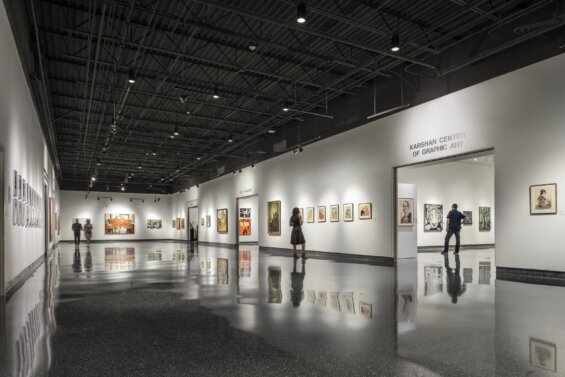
x=453, y=226
x=87, y=231
x=297, y=237
x=454, y=286
x=77, y=227
x=297, y=284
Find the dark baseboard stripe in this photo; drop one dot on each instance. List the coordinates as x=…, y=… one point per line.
x=16, y=283
x=218, y=244
x=434, y=249
x=83, y=242
x=336, y=257
x=529, y=276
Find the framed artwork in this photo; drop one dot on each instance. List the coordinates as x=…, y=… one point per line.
x=24, y=191
x=208, y=221
x=433, y=217
x=543, y=354
x=182, y=223
x=310, y=214
x=349, y=303
x=222, y=220
x=245, y=213
x=174, y=224
x=543, y=199
x=321, y=214
x=365, y=211
x=154, y=224
x=202, y=221
x=301, y=213
x=405, y=208
x=322, y=298
x=468, y=220
x=274, y=218
x=484, y=219
x=119, y=223
x=244, y=227
x=334, y=301
x=334, y=213
x=274, y=290
x=15, y=185
x=366, y=310
x=348, y=212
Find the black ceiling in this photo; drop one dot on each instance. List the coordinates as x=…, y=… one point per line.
x=190, y=48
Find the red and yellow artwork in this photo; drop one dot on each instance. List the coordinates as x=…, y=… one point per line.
x=244, y=227
x=119, y=224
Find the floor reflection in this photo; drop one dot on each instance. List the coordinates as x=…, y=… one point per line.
x=432, y=316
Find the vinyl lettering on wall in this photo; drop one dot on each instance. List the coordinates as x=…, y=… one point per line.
x=438, y=144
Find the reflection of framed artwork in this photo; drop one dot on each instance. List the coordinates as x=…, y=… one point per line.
x=274, y=290
x=468, y=220
x=349, y=303
x=310, y=214
x=543, y=199
x=321, y=214
x=20, y=186
x=301, y=213
x=365, y=211
x=222, y=220
x=484, y=219
x=119, y=224
x=334, y=301
x=543, y=354
x=245, y=213
x=15, y=185
x=15, y=212
x=405, y=211
x=366, y=310
x=321, y=298
x=405, y=307
x=433, y=217
x=222, y=277
x=244, y=227
x=274, y=218
x=208, y=221
x=348, y=212
x=334, y=213
x=310, y=296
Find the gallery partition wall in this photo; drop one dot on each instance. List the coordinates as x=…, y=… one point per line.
x=2, y=226
x=425, y=193
x=193, y=223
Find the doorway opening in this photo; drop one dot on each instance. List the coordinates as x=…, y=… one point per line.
x=192, y=224
x=2, y=225
x=247, y=220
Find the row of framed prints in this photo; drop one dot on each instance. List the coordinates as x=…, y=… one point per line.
x=178, y=223
x=26, y=203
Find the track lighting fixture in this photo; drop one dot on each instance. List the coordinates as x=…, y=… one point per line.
x=139, y=167
x=252, y=166
x=197, y=185
x=93, y=178
x=98, y=162
x=301, y=13
x=395, y=43
x=271, y=131
x=131, y=200
x=162, y=179
x=123, y=188
x=107, y=188
x=233, y=172
x=131, y=76
x=177, y=169
x=86, y=197
x=198, y=158
x=176, y=131
x=230, y=138
x=154, y=153
x=172, y=136
x=142, y=200
x=216, y=92
x=252, y=46
x=183, y=98
x=300, y=149
x=286, y=106
x=187, y=112
x=98, y=198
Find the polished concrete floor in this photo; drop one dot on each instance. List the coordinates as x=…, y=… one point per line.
x=162, y=309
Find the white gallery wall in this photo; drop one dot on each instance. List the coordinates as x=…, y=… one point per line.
x=74, y=205
x=469, y=184
x=24, y=147
x=520, y=115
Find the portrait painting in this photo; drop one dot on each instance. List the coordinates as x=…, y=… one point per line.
x=365, y=211
x=274, y=283
x=433, y=217
x=543, y=199
x=154, y=223
x=348, y=212
x=543, y=354
x=468, y=220
x=321, y=214
x=310, y=214
x=334, y=213
x=274, y=218
x=484, y=219
x=222, y=220
x=208, y=221
x=405, y=211
x=244, y=227
x=245, y=213
x=119, y=223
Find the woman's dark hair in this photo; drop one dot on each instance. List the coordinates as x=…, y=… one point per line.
x=295, y=211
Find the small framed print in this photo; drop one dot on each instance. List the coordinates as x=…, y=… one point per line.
x=543, y=354
x=348, y=212
x=543, y=199
x=208, y=221
x=468, y=220
x=202, y=221
x=334, y=213
x=405, y=211
x=366, y=310
x=365, y=211
x=321, y=214
x=310, y=214
x=15, y=212
x=15, y=185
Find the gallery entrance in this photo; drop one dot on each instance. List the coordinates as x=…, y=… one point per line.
x=247, y=220
x=425, y=194
x=192, y=224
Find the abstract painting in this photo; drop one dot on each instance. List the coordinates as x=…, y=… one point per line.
x=433, y=217
x=468, y=220
x=405, y=211
x=119, y=223
x=365, y=211
x=484, y=219
x=244, y=227
x=222, y=220
x=334, y=213
x=274, y=218
x=310, y=214
x=543, y=199
x=348, y=212
x=321, y=214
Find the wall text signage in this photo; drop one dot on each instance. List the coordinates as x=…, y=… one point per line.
x=438, y=144
x=246, y=191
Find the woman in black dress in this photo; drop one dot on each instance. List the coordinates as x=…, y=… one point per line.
x=297, y=237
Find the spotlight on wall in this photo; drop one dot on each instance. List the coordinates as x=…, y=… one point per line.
x=131, y=76
x=395, y=43
x=301, y=13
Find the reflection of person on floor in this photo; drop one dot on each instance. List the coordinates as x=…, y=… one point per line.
x=88, y=262
x=77, y=267
x=453, y=226
x=297, y=284
x=454, y=286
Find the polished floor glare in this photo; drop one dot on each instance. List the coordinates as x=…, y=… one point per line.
x=165, y=309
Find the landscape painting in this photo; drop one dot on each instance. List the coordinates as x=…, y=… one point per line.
x=119, y=223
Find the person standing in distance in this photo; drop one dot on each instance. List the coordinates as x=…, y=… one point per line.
x=297, y=237
x=453, y=226
x=76, y=231
x=87, y=232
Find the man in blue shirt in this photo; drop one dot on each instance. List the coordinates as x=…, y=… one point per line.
x=453, y=226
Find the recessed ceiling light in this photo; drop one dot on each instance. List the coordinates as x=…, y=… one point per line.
x=301, y=13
